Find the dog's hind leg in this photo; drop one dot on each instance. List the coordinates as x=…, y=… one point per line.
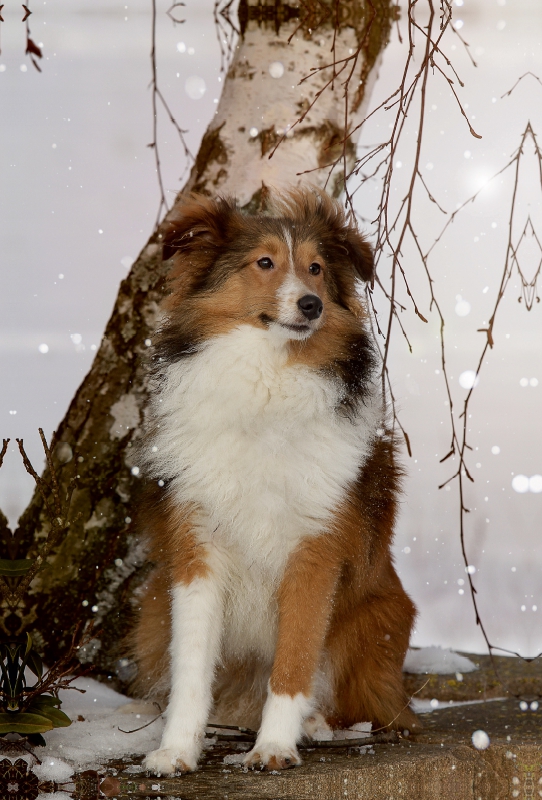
x=197, y=612
x=366, y=646
x=304, y=599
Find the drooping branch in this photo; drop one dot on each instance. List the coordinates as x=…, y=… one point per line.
x=32, y=50
x=459, y=439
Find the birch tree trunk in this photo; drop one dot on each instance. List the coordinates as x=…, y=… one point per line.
x=95, y=572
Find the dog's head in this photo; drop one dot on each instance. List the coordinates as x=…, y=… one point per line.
x=284, y=270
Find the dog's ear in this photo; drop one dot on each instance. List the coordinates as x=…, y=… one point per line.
x=198, y=222
x=194, y=235
x=361, y=254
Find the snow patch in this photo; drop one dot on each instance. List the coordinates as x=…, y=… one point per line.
x=53, y=769
x=234, y=758
x=322, y=734
x=97, y=697
x=98, y=737
x=436, y=661
x=362, y=727
x=359, y=730
x=94, y=735
x=97, y=734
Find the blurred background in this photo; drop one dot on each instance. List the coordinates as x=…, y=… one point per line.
x=79, y=198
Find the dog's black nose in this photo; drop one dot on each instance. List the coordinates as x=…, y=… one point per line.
x=311, y=306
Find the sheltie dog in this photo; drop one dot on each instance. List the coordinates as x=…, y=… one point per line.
x=274, y=602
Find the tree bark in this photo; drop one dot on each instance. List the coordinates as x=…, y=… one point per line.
x=96, y=570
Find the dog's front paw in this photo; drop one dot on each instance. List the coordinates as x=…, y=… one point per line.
x=272, y=756
x=168, y=762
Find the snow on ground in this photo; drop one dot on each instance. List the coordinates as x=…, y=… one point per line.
x=96, y=695
x=437, y=661
x=100, y=736
x=96, y=733
x=53, y=769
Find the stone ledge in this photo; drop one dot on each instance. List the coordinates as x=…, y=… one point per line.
x=513, y=676
x=437, y=764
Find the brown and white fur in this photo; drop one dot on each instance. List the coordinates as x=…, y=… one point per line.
x=273, y=488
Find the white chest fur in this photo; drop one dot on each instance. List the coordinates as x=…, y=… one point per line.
x=257, y=445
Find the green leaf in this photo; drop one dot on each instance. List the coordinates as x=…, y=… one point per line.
x=23, y=722
x=35, y=663
x=46, y=700
x=57, y=717
x=15, y=568
x=28, y=646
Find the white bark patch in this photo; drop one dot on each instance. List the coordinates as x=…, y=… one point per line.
x=101, y=514
x=257, y=102
x=151, y=314
x=125, y=305
x=121, y=569
x=126, y=415
x=95, y=522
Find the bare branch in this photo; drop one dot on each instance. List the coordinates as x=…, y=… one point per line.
x=4, y=450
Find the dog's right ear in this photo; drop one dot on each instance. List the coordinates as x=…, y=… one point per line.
x=198, y=221
x=360, y=253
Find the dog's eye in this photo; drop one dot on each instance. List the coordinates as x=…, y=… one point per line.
x=315, y=268
x=265, y=263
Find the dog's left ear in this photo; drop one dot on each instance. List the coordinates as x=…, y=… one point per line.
x=361, y=255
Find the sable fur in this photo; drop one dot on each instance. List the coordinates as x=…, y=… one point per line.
x=279, y=484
